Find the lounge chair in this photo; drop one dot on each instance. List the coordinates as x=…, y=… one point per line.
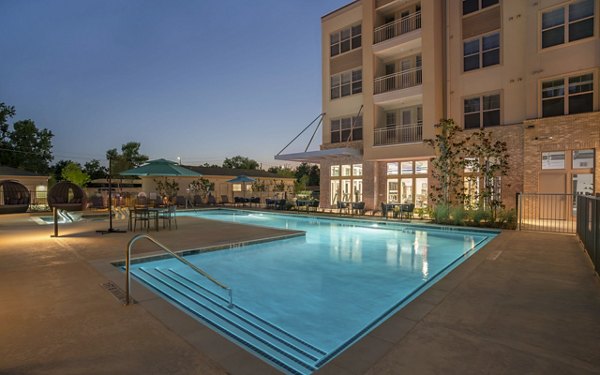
x=225, y=199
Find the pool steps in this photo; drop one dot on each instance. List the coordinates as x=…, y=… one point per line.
x=277, y=346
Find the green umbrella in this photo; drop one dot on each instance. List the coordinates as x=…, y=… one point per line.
x=160, y=167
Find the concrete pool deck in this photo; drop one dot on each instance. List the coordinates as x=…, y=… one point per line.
x=526, y=303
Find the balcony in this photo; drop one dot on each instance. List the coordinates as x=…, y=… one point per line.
x=393, y=135
x=398, y=27
x=399, y=81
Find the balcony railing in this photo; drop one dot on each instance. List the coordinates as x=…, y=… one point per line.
x=399, y=81
x=398, y=27
x=392, y=135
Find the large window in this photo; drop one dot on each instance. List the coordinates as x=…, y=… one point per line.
x=345, y=40
x=482, y=111
x=347, y=83
x=568, y=23
x=347, y=187
x=579, y=97
x=407, y=182
x=470, y=6
x=481, y=52
x=342, y=129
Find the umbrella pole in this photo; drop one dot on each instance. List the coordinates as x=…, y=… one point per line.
x=110, y=221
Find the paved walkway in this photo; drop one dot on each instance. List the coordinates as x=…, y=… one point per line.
x=526, y=303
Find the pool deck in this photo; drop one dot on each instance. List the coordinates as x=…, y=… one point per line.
x=526, y=303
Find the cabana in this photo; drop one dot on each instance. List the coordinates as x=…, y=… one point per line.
x=67, y=196
x=15, y=197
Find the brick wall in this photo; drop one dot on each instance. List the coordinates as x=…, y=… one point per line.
x=561, y=133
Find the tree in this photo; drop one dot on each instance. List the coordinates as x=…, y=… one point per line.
x=207, y=165
x=94, y=169
x=448, y=164
x=167, y=189
x=129, y=157
x=6, y=112
x=488, y=159
x=282, y=171
x=26, y=146
x=240, y=162
x=72, y=172
x=57, y=169
x=312, y=172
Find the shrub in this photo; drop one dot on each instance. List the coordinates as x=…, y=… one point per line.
x=481, y=215
x=458, y=215
x=441, y=214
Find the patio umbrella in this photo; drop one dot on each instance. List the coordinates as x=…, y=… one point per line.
x=242, y=179
x=160, y=167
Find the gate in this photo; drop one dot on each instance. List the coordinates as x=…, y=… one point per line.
x=547, y=212
x=588, y=226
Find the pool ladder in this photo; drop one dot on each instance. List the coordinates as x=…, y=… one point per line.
x=181, y=259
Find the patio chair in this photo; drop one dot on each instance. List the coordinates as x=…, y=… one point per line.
x=180, y=201
x=212, y=200
x=141, y=214
x=385, y=209
x=169, y=215
x=358, y=207
x=406, y=210
x=225, y=199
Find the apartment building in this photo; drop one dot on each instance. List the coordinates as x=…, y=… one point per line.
x=526, y=70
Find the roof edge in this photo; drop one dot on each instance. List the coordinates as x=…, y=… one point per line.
x=355, y=2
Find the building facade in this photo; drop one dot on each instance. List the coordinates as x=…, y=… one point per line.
x=527, y=71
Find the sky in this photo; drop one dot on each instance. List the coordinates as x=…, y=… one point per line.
x=196, y=79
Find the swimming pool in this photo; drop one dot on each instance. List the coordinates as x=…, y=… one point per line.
x=301, y=301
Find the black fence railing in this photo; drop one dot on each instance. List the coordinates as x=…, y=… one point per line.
x=546, y=212
x=588, y=226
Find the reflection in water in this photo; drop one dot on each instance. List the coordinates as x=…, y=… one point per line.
x=345, y=248
x=408, y=252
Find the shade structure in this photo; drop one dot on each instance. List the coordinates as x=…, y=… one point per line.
x=160, y=167
x=241, y=179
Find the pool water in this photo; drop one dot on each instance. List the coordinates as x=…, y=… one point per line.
x=325, y=289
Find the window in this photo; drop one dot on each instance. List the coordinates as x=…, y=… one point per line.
x=345, y=40
x=580, y=95
x=553, y=160
x=406, y=167
x=347, y=83
x=470, y=6
x=237, y=187
x=392, y=190
x=335, y=171
x=483, y=110
x=568, y=23
x=346, y=170
x=481, y=52
x=421, y=167
x=583, y=159
x=392, y=168
x=342, y=129
x=349, y=187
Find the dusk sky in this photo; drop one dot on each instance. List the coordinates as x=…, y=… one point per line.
x=203, y=80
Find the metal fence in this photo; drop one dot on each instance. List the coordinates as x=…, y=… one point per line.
x=588, y=226
x=547, y=212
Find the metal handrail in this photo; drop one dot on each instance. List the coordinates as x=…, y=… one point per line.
x=398, y=27
x=398, y=80
x=184, y=261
